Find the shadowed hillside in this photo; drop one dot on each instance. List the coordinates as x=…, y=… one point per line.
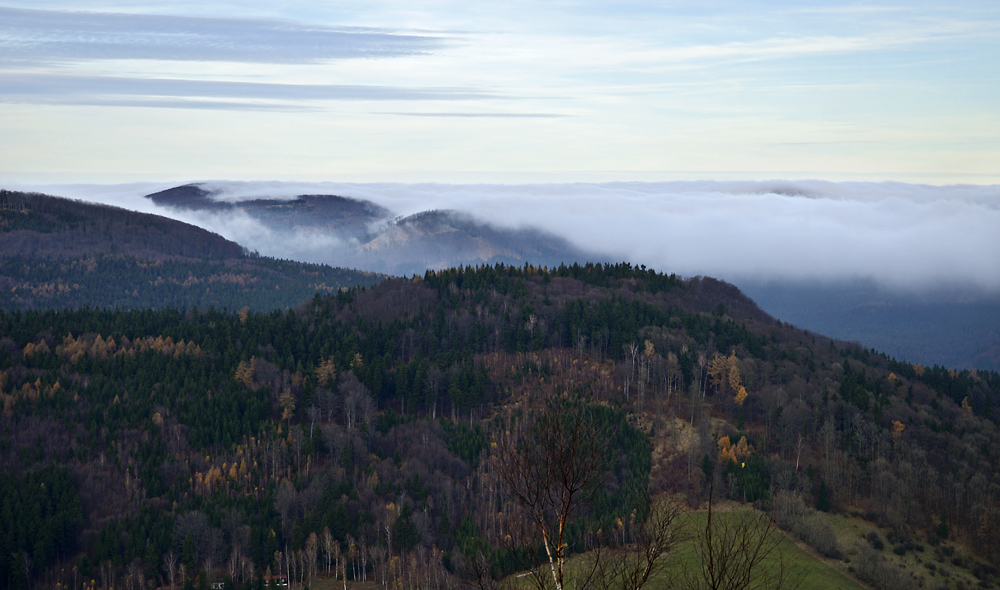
x=38, y=225
x=59, y=253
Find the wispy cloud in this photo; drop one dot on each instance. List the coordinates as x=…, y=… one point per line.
x=106, y=90
x=160, y=103
x=483, y=115
x=650, y=56
x=667, y=89
x=40, y=36
x=857, y=9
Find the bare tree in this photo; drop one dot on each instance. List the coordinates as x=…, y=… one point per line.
x=170, y=562
x=314, y=415
x=357, y=400
x=312, y=547
x=642, y=554
x=645, y=366
x=235, y=558
x=379, y=565
x=738, y=549
x=133, y=576
x=285, y=502
x=328, y=401
x=298, y=443
x=630, y=352
x=433, y=387
x=327, y=539
x=551, y=467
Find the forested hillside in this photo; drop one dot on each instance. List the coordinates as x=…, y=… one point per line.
x=361, y=435
x=58, y=253
x=41, y=225
x=361, y=234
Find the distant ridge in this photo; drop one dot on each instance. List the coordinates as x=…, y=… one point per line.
x=188, y=196
x=60, y=253
x=349, y=218
x=372, y=237
x=41, y=225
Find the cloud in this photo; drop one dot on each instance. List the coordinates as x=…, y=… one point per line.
x=67, y=45
x=39, y=36
x=103, y=90
x=902, y=236
x=235, y=225
x=159, y=103
x=483, y=115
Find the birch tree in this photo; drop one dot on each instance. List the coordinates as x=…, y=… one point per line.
x=551, y=466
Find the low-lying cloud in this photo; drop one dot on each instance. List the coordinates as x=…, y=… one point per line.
x=902, y=236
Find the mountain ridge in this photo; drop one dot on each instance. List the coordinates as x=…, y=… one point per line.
x=45, y=225
x=372, y=237
x=57, y=252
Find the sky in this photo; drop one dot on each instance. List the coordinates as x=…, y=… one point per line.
x=444, y=91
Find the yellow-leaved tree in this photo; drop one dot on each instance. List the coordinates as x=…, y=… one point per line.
x=724, y=372
x=326, y=372
x=287, y=402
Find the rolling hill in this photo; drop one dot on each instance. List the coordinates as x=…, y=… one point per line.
x=361, y=436
x=58, y=253
x=952, y=326
x=361, y=234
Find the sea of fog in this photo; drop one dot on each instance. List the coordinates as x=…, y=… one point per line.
x=900, y=236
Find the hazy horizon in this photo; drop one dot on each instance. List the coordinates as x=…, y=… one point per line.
x=905, y=237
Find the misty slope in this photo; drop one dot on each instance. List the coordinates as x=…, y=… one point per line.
x=444, y=239
x=348, y=218
x=223, y=438
x=45, y=226
x=948, y=328
x=958, y=329
x=60, y=253
x=356, y=233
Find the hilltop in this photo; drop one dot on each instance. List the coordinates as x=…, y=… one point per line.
x=367, y=235
x=953, y=323
x=358, y=435
x=57, y=253
x=39, y=226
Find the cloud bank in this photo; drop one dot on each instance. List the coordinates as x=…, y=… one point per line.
x=902, y=236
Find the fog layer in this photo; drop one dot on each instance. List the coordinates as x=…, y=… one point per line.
x=902, y=236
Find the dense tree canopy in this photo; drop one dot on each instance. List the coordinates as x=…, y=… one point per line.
x=353, y=435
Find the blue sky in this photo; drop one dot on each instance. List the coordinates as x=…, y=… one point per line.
x=447, y=91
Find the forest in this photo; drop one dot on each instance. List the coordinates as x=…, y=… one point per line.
x=367, y=435
x=59, y=253
x=257, y=282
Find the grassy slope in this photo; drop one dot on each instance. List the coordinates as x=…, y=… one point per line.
x=808, y=569
x=930, y=568
x=814, y=572
x=948, y=565
x=811, y=570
